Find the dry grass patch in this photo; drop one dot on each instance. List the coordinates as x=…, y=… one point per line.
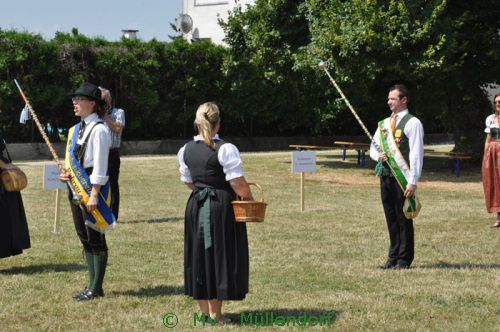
x=324, y=259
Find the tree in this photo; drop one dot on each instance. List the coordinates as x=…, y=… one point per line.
x=27, y=58
x=445, y=51
x=266, y=94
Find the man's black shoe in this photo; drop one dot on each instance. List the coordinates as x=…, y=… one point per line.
x=89, y=295
x=80, y=294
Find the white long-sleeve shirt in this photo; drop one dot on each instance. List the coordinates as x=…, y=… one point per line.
x=415, y=133
x=97, y=152
x=228, y=156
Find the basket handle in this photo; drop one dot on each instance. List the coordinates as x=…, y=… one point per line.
x=260, y=189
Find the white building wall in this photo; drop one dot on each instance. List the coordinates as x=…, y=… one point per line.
x=205, y=15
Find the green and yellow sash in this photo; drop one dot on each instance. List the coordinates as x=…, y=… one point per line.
x=398, y=166
x=102, y=218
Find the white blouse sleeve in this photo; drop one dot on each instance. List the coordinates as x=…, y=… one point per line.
x=229, y=158
x=489, y=121
x=185, y=174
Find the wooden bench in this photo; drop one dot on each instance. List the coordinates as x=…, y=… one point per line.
x=454, y=156
x=312, y=147
x=360, y=148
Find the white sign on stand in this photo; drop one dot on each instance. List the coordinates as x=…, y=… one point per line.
x=51, y=182
x=51, y=177
x=303, y=162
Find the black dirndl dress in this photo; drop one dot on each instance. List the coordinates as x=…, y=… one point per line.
x=216, y=263
x=14, y=235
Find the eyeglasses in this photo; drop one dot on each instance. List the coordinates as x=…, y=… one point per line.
x=78, y=99
x=496, y=102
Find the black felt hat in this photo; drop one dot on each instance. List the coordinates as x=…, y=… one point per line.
x=89, y=90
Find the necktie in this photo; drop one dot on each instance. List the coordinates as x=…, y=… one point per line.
x=81, y=130
x=393, y=122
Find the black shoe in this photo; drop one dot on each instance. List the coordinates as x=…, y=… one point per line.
x=389, y=265
x=80, y=294
x=89, y=295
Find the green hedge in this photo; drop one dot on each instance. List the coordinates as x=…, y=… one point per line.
x=158, y=84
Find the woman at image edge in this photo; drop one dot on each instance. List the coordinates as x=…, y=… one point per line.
x=491, y=165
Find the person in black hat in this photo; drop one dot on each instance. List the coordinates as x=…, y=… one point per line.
x=92, y=150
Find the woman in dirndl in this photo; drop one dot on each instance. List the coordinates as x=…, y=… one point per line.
x=14, y=234
x=216, y=263
x=491, y=162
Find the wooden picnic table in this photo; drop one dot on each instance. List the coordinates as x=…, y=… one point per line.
x=360, y=148
x=312, y=147
x=454, y=156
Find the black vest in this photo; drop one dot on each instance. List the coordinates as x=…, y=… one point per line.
x=204, y=166
x=399, y=134
x=81, y=149
x=495, y=133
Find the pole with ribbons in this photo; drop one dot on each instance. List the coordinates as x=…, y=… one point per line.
x=410, y=209
x=76, y=199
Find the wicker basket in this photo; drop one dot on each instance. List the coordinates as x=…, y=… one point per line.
x=250, y=211
x=14, y=180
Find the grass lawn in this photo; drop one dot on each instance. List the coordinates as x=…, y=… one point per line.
x=323, y=260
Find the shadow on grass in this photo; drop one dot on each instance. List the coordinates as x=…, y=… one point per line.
x=34, y=269
x=267, y=317
x=161, y=290
x=154, y=221
x=460, y=266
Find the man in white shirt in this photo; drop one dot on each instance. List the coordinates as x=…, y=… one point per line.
x=408, y=134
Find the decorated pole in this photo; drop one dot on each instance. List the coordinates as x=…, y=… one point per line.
x=76, y=198
x=412, y=206
x=40, y=128
x=322, y=66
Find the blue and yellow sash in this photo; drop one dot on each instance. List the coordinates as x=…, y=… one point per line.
x=399, y=167
x=102, y=218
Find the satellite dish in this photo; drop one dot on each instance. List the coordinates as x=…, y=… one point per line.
x=184, y=23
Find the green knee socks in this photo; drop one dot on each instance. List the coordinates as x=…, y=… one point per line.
x=89, y=257
x=100, y=262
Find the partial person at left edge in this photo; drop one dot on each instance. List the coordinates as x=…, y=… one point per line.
x=14, y=234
